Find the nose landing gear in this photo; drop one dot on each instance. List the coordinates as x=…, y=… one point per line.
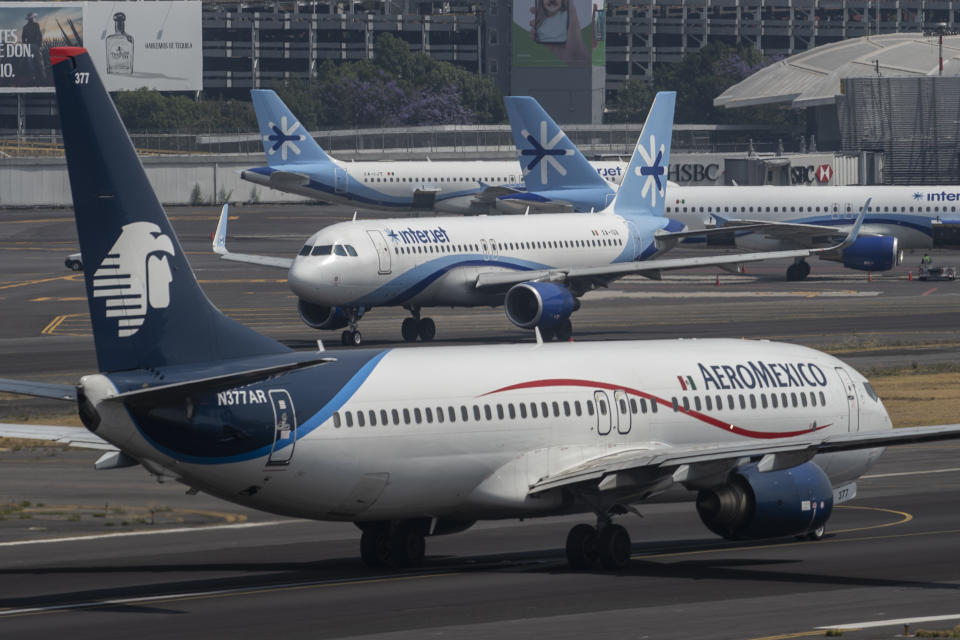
x=417, y=327
x=352, y=337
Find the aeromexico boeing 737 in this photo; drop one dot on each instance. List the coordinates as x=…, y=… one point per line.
x=765, y=218
x=536, y=266
x=297, y=164
x=410, y=443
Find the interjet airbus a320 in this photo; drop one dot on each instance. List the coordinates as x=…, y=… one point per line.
x=411, y=443
x=536, y=266
x=297, y=164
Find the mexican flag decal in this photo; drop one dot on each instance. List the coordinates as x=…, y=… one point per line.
x=687, y=383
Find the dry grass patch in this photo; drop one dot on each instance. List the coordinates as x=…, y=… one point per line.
x=917, y=397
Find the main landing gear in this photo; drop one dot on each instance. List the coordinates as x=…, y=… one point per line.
x=606, y=546
x=352, y=337
x=396, y=545
x=417, y=327
x=799, y=270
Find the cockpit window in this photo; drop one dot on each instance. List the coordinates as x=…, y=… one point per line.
x=321, y=250
x=350, y=250
x=339, y=249
x=870, y=391
x=306, y=250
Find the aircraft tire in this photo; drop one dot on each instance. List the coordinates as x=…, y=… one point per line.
x=427, y=329
x=564, y=330
x=547, y=334
x=408, y=329
x=804, y=268
x=581, y=547
x=375, y=547
x=407, y=546
x=345, y=338
x=355, y=338
x=614, y=545
x=793, y=273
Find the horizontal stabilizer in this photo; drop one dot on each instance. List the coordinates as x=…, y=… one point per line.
x=39, y=389
x=71, y=436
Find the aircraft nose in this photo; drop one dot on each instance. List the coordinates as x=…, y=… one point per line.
x=305, y=277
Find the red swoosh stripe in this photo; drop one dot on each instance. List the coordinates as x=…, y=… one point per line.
x=726, y=426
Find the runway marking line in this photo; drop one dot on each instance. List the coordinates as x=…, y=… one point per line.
x=873, y=624
x=800, y=634
x=909, y=473
x=928, y=291
x=221, y=593
x=26, y=283
x=153, y=532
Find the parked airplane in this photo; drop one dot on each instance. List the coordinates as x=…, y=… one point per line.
x=765, y=218
x=297, y=164
x=414, y=442
x=537, y=267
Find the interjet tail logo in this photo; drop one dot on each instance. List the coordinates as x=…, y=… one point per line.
x=653, y=170
x=543, y=154
x=283, y=138
x=133, y=278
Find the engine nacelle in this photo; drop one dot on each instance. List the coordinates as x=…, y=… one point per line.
x=873, y=253
x=538, y=304
x=754, y=505
x=319, y=317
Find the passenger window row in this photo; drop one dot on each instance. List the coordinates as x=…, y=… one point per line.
x=436, y=179
x=510, y=246
x=485, y=412
x=766, y=400
x=811, y=209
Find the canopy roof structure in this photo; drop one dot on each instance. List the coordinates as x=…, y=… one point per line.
x=813, y=78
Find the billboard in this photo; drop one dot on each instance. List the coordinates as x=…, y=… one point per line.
x=559, y=33
x=27, y=31
x=158, y=45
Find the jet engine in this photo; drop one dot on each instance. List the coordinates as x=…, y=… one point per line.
x=539, y=304
x=319, y=317
x=754, y=504
x=873, y=253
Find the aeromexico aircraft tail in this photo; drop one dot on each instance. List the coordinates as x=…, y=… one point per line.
x=547, y=156
x=285, y=140
x=146, y=306
x=645, y=181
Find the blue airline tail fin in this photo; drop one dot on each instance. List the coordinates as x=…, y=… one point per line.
x=285, y=140
x=146, y=307
x=644, y=184
x=549, y=158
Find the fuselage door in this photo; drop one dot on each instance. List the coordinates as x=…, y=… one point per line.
x=853, y=405
x=486, y=249
x=339, y=180
x=493, y=249
x=604, y=413
x=622, y=408
x=383, y=249
x=285, y=428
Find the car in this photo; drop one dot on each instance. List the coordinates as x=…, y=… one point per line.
x=74, y=261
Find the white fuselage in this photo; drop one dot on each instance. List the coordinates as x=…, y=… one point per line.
x=904, y=212
x=514, y=414
x=435, y=261
x=446, y=186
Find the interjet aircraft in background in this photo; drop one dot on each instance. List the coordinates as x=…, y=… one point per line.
x=764, y=218
x=411, y=443
x=537, y=266
x=297, y=164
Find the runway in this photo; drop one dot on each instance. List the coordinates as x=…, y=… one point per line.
x=890, y=554
x=205, y=567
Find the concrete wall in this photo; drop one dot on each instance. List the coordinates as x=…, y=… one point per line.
x=43, y=182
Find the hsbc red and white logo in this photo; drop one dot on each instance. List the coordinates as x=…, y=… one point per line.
x=824, y=173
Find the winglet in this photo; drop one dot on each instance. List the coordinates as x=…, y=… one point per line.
x=855, y=231
x=220, y=235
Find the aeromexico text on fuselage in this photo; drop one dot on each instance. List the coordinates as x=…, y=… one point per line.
x=761, y=375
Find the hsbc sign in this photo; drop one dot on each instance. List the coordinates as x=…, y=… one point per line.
x=809, y=174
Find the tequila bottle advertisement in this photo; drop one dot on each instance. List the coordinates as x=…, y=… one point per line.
x=158, y=45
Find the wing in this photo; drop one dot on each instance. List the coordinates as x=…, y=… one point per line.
x=798, y=234
x=659, y=467
x=72, y=436
x=652, y=268
x=40, y=389
x=220, y=248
